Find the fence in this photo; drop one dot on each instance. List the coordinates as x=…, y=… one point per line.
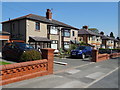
x=96, y=57
x=21, y=71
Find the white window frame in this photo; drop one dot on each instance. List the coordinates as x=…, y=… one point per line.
x=53, y=30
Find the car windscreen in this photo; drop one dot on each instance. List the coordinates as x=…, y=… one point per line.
x=80, y=48
x=24, y=46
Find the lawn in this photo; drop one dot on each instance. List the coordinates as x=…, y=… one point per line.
x=3, y=63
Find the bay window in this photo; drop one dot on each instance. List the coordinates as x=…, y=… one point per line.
x=53, y=30
x=54, y=44
x=66, y=45
x=66, y=33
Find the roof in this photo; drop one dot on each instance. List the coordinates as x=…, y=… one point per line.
x=108, y=38
x=4, y=33
x=42, y=19
x=74, y=42
x=39, y=39
x=87, y=32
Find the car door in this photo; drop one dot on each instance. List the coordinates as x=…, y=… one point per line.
x=89, y=50
x=86, y=50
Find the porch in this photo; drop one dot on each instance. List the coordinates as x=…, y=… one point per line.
x=39, y=42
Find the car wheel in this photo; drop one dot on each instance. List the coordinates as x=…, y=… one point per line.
x=83, y=56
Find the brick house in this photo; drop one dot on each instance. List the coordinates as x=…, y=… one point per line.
x=41, y=31
x=89, y=37
x=109, y=42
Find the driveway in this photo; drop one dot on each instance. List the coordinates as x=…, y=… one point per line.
x=82, y=76
x=71, y=63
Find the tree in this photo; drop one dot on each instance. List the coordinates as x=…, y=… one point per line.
x=102, y=33
x=118, y=38
x=111, y=35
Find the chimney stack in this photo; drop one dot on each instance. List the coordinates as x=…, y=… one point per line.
x=49, y=14
x=85, y=27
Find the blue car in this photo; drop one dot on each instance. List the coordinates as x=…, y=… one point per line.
x=81, y=52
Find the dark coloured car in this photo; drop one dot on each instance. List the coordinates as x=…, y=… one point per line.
x=81, y=52
x=14, y=50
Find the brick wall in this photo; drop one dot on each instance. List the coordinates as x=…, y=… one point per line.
x=21, y=71
x=100, y=57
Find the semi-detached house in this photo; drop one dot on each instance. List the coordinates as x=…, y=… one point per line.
x=89, y=37
x=41, y=32
x=109, y=42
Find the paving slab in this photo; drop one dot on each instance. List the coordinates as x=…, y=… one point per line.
x=72, y=84
x=73, y=71
x=95, y=75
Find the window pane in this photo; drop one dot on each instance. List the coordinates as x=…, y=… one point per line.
x=73, y=33
x=66, y=33
x=54, y=46
x=53, y=30
x=37, y=26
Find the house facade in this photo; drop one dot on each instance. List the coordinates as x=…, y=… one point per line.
x=109, y=42
x=89, y=37
x=41, y=32
x=4, y=37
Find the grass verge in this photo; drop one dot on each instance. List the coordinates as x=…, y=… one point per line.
x=3, y=63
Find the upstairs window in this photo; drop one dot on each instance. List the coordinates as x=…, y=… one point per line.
x=53, y=30
x=73, y=33
x=66, y=33
x=37, y=26
x=93, y=38
x=13, y=26
x=89, y=38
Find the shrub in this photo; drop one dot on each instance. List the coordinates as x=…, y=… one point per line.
x=30, y=56
x=72, y=47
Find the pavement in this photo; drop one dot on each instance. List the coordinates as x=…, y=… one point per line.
x=77, y=73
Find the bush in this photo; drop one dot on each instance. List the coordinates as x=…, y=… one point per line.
x=72, y=47
x=30, y=56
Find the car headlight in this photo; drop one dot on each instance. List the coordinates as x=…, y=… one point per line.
x=23, y=51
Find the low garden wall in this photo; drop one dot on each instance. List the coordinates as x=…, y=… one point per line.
x=113, y=55
x=21, y=71
x=96, y=57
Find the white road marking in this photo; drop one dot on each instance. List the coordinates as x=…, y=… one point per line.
x=101, y=77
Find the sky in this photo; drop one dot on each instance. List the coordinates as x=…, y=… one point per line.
x=100, y=15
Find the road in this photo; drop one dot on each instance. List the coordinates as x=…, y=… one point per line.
x=110, y=81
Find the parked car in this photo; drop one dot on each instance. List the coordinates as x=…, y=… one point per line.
x=14, y=50
x=81, y=52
